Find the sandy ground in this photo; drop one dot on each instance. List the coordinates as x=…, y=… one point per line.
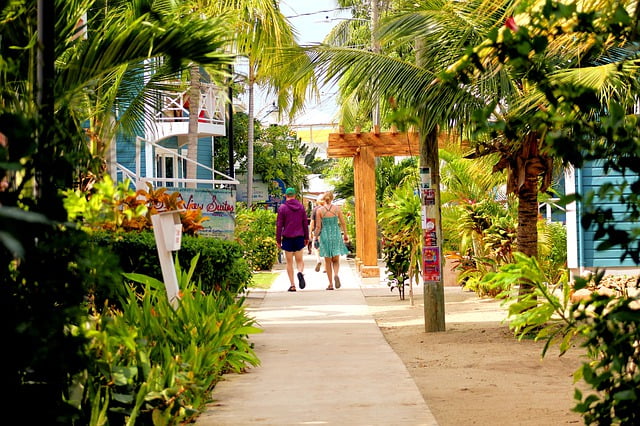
x=476, y=372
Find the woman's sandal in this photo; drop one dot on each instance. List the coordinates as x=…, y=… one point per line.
x=329, y=288
x=292, y=288
x=336, y=281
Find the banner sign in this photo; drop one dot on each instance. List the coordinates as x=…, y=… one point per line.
x=260, y=189
x=217, y=205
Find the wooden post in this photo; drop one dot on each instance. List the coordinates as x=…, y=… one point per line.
x=359, y=209
x=364, y=148
x=366, y=162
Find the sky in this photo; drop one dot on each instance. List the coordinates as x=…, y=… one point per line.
x=312, y=21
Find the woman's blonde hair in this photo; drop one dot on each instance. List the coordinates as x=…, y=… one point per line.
x=328, y=197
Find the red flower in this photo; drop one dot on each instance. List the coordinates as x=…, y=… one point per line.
x=511, y=24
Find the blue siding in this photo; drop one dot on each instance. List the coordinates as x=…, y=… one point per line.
x=589, y=179
x=205, y=157
x=170, y=143
x=126, y=155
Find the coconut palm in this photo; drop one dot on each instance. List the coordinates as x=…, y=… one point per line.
x=261, y=34
x=113, y=79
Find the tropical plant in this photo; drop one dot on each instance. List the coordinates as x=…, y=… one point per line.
x=552, y=250
x=392, y=173
x=607, y=327
x=57, y=116
x=440, y=32
x=278, y=155
x=579, y=60
x=167, y=376
x=261, y=35
x=400, y=225
x=119, y=208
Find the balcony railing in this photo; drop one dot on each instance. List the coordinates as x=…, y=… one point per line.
x=137, y=177
x=172, y=118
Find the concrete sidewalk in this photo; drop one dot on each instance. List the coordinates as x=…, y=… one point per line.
x=323, y=361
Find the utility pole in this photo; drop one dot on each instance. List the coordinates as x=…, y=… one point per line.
x=230, y=125
x=250, y=136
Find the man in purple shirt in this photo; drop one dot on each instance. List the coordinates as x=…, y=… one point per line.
x=292, y=235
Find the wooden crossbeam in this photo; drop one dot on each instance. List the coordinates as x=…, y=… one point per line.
x=383, y=144
x=364, y=148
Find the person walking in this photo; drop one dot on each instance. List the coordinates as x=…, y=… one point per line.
x=329, y=221
x=292, y=235
x=312, y=230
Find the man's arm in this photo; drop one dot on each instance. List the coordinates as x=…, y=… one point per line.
x=279, y=222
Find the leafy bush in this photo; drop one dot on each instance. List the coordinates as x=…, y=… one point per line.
x=255, y=231
x=399, y=219
x=264, y=254
x=397, y=257
x=116, y=207
x=611, y=330
x=222, y=268
x=608, y=327
x=155, y=364
x=552, y=250
x=43, y=293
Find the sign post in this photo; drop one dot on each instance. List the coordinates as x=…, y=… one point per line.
x=167, y=230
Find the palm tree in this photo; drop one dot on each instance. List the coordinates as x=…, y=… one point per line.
x=261, y=35
x=129, y=71
x=425, y=39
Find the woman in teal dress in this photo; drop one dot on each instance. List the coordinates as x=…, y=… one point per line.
x=329, y=222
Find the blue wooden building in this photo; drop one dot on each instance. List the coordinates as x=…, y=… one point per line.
x=582, y=255
x=161, y=156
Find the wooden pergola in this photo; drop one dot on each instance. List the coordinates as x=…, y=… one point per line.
x=364, y=148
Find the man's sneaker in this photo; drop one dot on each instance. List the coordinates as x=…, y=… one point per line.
x=301, y=282
x=318, y=265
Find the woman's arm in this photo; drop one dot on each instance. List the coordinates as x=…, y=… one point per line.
x=316, y=232
x=343, y=225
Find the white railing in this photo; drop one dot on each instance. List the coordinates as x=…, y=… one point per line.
x=135, y=176
x=174, y=105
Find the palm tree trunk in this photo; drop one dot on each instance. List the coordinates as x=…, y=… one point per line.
x=192, y=135
x=527, y=232
x=528, y=171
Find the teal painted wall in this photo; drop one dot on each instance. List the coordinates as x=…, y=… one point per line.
x=589, y=179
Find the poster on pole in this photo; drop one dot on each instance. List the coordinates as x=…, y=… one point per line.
x=431, y=264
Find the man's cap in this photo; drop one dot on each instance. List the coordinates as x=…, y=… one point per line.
x=290, y=191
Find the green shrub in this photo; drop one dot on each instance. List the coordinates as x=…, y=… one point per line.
x=399, y=220
x=255, y=231
x=552, y=250
x=222, y=268
x=264, y=254
x=611, y=328
x=43, y=294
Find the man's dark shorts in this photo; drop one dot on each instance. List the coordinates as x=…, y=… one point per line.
x=293, y=244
